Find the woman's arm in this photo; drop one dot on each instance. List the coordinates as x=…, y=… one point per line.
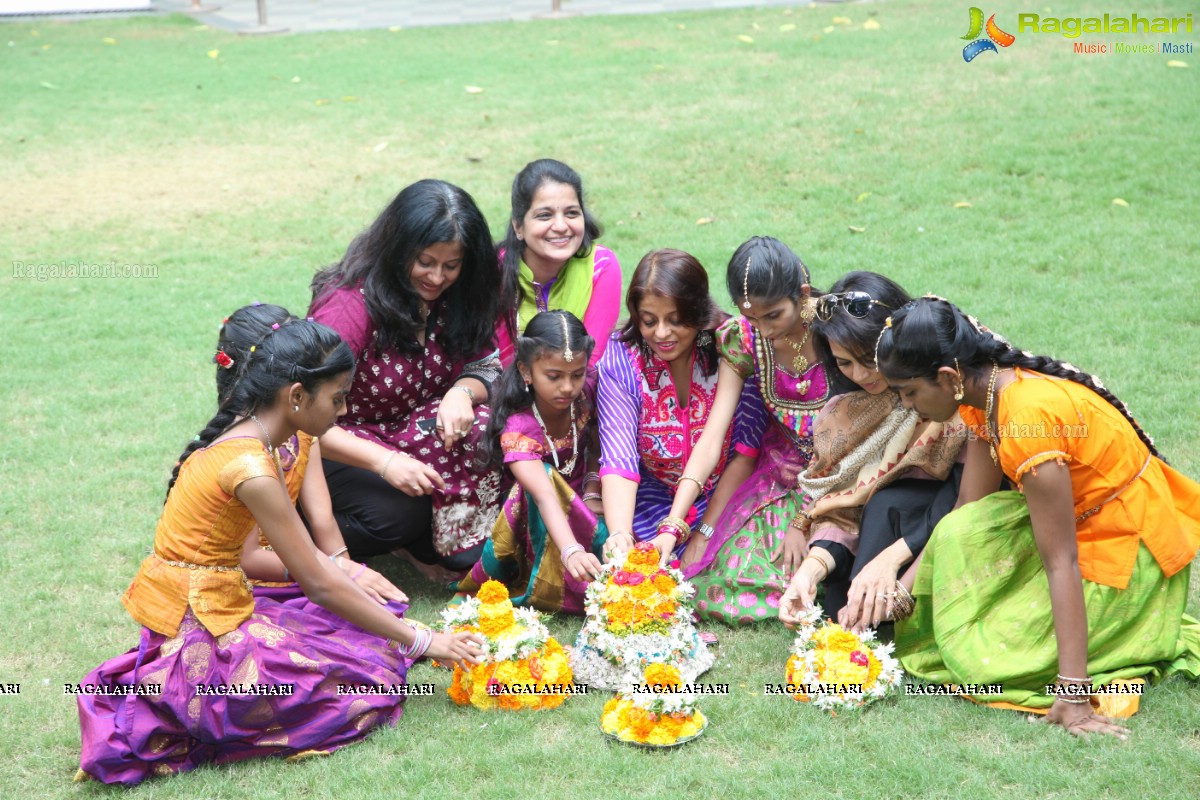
x=801, y=592
x=707, y=452
x=739, y=468
x=328, y=586
x=259, y=564
x=1052, y=514
x=456, y=412
x=531, y=474
x=618, y=410
x=318, y=511
x=980, y=476
x=401, y=470
x=872, y=592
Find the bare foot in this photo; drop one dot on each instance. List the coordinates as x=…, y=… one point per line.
x=434, y=573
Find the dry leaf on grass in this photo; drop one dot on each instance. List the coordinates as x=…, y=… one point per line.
x=473, y=90
x=704, y=221
x=1117, y=201
x=870, y=25
x=856, y=229
x=962, y=204
x=746, y=39
x=1177, y=64
x=787, y=26
x=214, y=53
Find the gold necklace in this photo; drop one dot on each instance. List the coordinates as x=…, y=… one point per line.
x=994, y=435
x=799, y=361
x=274, y=453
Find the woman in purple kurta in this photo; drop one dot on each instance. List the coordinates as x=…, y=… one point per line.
x=416, y=297
x=657, y=383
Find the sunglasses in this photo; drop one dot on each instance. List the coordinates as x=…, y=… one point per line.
x=857, y=304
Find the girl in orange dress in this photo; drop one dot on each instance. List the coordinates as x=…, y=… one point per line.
x=221, y=675
x=1077, y=580
x=300, y=459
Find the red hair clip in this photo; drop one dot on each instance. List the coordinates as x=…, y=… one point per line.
x=223, y=360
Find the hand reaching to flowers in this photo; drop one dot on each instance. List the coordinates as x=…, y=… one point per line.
x=463, y=649
x=801, y=592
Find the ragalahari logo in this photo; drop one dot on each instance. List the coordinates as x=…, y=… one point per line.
x=995, y=36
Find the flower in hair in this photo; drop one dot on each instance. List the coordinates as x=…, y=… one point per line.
x=274, y=326
x=223, y=360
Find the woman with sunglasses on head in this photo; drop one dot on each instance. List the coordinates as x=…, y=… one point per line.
x=741, y=572
x=881, y=476
x=1080, y=578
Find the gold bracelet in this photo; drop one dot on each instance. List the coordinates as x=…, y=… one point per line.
x=682, y=478
x=386, y=463
x=819, y=561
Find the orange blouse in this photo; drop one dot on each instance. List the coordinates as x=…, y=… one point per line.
x=293, y=475
x=1122, y=495
x=198, y=543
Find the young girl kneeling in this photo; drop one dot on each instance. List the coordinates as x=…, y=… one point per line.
x=543, y=430
x=221, y=675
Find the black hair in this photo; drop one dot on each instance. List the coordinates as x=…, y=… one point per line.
x=681, y=278
x=767, y=269
x=858, y=335
x=380, y=260
x=525, y=185
x=240, y=331
x=930, y=333
x=298, y=351
x=543, y=334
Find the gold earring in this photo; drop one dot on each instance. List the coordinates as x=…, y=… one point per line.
x=808, y=313
x=958, y=392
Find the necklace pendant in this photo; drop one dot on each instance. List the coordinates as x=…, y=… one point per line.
x=803, y=386
x=995, y=458
x=800, y=365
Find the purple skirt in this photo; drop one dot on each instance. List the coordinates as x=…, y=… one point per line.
x=274, y=686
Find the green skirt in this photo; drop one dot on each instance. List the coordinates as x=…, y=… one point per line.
x=983, y=612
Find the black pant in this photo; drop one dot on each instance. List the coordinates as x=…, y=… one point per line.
x=908, y=509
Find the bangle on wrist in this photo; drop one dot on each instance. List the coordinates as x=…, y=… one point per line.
x=591, y=496
x=674, y=526
x=1062, y=677
x=467, y=389
x=565, y=556
x=361, y=569
x=340, y=551
x=682, y=478
x=591, y=476
x=819, y=562
x=386, y=463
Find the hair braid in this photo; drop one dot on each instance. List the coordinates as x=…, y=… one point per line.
x=931, y=332
x=220, y=423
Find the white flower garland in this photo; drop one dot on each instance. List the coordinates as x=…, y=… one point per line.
x=805, y=649
x=524, y=639
x=608, y=660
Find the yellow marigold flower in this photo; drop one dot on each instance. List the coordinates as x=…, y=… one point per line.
x=456, y=691
x=660, y=736
x=611, y=706
x=644, y=590
x=874, y=667
x=492, y=592
x=664, y=583
x=842, y=641
x=662, y=675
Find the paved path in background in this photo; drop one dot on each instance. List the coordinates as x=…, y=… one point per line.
x=330, y=15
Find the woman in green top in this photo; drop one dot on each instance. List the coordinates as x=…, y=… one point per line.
x=549, y=259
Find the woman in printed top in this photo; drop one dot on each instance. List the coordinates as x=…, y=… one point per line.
x=416, y=299
x=240, y=331
x=221, y=675
x=547, y=537
x=657, y=384
x=746, y=565
x=550, y=260
x=1078, y=579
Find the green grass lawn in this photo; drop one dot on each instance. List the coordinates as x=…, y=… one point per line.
x=237, y=167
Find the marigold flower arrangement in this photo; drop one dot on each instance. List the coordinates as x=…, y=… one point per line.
x=842, y=669
x=523, y=665
x=658, y=714
x=637, y=614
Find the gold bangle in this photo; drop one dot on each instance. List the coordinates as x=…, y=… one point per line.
x=819, y=561
x=386, y=463
x=682, y=478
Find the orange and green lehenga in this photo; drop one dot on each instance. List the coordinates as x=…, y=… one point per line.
x=983, y=611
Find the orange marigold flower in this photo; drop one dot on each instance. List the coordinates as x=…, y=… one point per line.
x=492, y=592
x=644, y=590
x=842, y=641
x=664, y=583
